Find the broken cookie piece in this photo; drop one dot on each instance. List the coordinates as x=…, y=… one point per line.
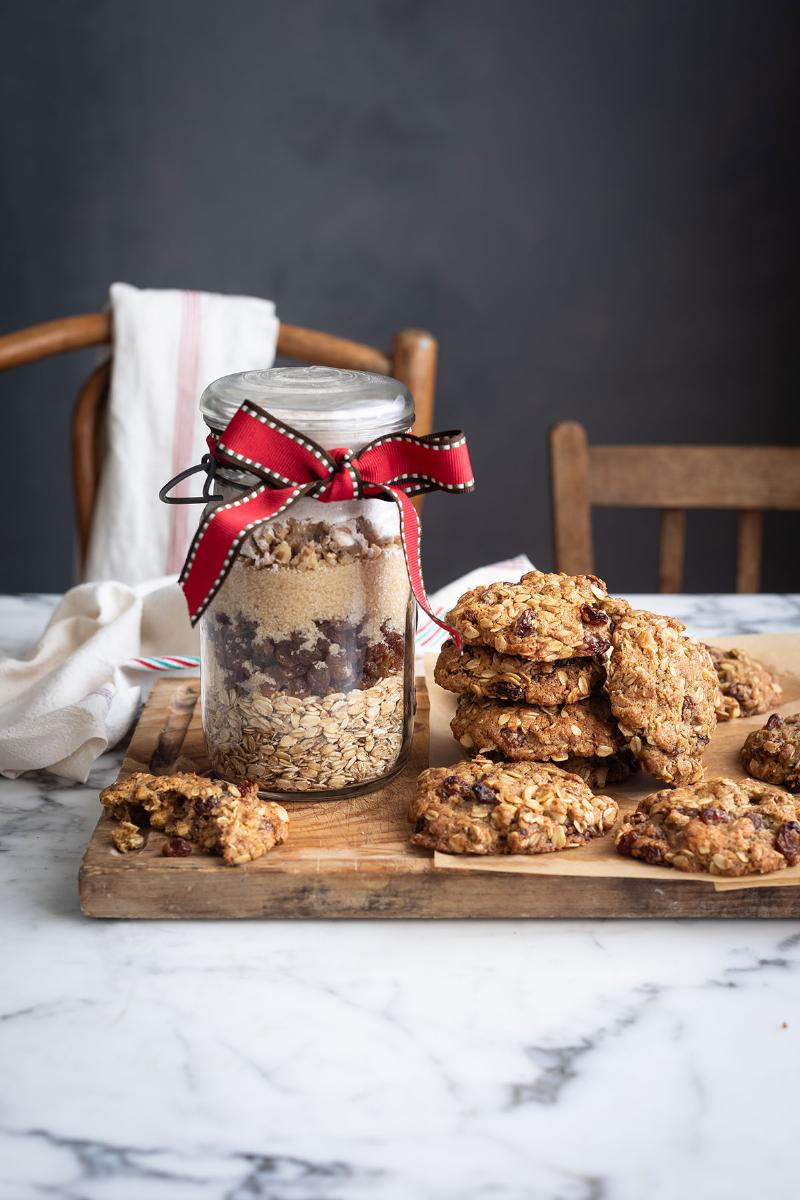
x=217, y=816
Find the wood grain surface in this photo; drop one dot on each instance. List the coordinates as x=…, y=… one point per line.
x=352, y=858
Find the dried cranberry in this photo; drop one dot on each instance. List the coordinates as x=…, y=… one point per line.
x=177, y=847
x=649, y=852
x=595, y=644
x=205, y=805
x=756, y=819
x=737, y=691
x=525, y=623
x=775, y=721
x=453, y=786
x=508, y=691
x=593, y=616
x=626, y=842
x=483, y=793
x=469, y=614
x=787, y=840
x=688, y=706
x=713, y=816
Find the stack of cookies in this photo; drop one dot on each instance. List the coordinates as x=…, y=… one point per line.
x=553, y=669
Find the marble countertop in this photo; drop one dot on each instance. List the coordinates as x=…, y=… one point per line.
x=580, y=1060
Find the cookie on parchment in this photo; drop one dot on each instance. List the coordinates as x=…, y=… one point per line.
x=723, y=826
x=218, y=816
x=662, y=689
x=748, y=688
x=773, y=752
x=488, y=675
x=544, y=617
x=483, y=807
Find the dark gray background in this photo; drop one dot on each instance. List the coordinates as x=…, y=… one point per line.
x=593, y=205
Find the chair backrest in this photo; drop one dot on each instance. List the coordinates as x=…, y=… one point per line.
x=412, y=360
x=749, y=479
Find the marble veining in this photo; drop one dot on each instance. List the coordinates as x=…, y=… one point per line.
x=564, y=1060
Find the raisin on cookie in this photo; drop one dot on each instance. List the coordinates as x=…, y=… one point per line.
x=748, y=688
x=723, y=826
x=483, y=807
x=220, y=817
x=773, y=752
x=486, y=674
x=662, y=689
x=544, y=617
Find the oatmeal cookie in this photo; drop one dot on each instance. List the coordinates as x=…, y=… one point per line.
x=747, y=687
x=723, y=826
x=219, y=817
x=543, y=617
x=662, y=689
x=486, y=674
x=523, y=732
x=482, y=807
x=773, y=752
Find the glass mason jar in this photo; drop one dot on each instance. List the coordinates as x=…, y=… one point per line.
x=307, y=650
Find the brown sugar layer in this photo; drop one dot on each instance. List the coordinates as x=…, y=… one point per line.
x=365, y=589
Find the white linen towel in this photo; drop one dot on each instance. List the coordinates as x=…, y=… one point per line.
x=168, y=345
x=76, y=693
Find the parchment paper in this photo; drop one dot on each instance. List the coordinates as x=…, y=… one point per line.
x=781, y=651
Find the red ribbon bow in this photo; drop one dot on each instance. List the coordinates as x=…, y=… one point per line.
x=290, y=465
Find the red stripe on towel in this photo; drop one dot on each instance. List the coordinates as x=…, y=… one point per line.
x=183, y=437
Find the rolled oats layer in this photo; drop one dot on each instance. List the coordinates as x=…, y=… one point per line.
x=317, y=743
x=305, y=679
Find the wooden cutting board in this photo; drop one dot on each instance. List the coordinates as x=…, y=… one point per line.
x=352, y=858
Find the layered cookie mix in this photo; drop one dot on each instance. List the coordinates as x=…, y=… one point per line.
x=218, y=817
x=487, y=675
x=747, y=687
x=773, y=752
x=482, y=807
x=722, y=826
x=544, y=617
x=662, y=689
x=304, y=654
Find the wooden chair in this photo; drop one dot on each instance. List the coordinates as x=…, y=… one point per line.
x=672, y=478
x=412, y=360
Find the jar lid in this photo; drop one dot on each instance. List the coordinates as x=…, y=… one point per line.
x=335, y=408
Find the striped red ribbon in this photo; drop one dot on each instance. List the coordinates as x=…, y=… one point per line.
x=289, y=465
